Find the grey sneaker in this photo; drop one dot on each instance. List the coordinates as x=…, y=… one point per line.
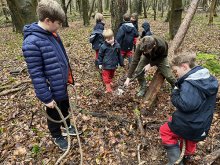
x=61, y=143
x=72, y=131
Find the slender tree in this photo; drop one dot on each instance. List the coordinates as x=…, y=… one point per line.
x=91, y=9
x=107, y=5
x=65, y=8
x=22, y=12
x=118, y=9
x=155, y=9
x=144, y=7
x=175, y=17
x=85, y=4
x=100, y=8
x=212, y=10
x=4, y=9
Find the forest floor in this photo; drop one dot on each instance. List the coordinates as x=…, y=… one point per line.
x=110, y=131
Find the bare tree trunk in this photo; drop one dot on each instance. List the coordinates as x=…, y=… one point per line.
x=162, y=8
x=157, y=81
x=175, y=17
x=4, y=9
x=100, y=9
x=22, y=12
x=118, y=9
x=144, y=7
x=212, y=8
x=168, y=13
x=91, y=9
x=155, y=9
x=107, y=4
x=65, y=8
x=79, y=6
x=137, y=6
x=85, y=4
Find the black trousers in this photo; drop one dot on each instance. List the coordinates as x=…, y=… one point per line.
x=55, y=128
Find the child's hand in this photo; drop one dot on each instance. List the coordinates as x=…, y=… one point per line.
x=100, y=66
x=51, y=104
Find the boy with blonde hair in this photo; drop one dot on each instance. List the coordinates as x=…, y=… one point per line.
x=194, y=97
x=109, y=58
x=48, y=66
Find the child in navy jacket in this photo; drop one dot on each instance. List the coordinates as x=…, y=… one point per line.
x=194, y=97
x=96, y=38
x=126, y=36
x=109, y=58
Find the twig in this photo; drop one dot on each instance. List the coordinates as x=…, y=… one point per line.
x=10, y=91
x=182, y=153
x=140, y=126
x=139, y=155
x=14, y=85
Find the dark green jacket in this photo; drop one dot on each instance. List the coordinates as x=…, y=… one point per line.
x=159, y=52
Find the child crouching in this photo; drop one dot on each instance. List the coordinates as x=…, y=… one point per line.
x=108, y=58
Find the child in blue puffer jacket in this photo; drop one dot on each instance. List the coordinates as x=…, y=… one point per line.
x=49, y=67
x=109, y=58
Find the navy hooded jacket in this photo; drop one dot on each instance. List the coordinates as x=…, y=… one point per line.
x=146, y=31
x=96, y=38
x=195, y=101
x=47, y=63
x=110, y=56
x=125, y=36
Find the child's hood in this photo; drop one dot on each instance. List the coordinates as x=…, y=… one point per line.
x=34, y=29
x=128, y=26
x=146, y=26
x=201, y=78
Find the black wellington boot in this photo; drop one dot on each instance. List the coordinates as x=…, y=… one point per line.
x=173, y=153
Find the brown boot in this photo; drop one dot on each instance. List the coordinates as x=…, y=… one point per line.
x=108, y=88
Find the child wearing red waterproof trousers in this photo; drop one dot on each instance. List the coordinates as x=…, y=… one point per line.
x=194, y=97
x=96, y=38
x=109, y=58
x=126, y=37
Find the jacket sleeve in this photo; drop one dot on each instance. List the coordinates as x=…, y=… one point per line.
x=187, y=98
x=34, y=60
x=100, y=56
x=120, y=35
x=120, y=58
x=135, y=61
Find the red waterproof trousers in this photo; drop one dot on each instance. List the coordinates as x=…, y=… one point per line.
x=170, y=138
x=107, y=75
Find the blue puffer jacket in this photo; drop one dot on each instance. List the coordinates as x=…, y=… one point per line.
x=110, y=56
x=146, y=31
x=125, y=36
x=195, y=101
x=47, y=63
